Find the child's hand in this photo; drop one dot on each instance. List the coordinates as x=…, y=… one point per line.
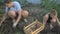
x=59, y=23
x=0, y=24
x=15, y=24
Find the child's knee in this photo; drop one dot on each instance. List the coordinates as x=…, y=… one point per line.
x=11, y=13
x=25, y=13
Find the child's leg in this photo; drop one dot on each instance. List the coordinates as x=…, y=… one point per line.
x=25, y=15
x=12, y=14
x=51, y=26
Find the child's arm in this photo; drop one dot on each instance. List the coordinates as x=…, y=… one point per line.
x=3, y=19
x=18, y=19
x=18, y=9
x=45, y=18
x=58, y=21
x=19, y=16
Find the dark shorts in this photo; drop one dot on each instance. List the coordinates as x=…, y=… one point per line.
x=16, y=15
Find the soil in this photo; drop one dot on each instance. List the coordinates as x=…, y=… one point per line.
x=34, y=13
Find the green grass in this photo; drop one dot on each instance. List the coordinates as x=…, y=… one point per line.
x=50, y=5
x=18, y=33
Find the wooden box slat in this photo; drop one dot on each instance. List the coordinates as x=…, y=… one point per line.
x=30, y=28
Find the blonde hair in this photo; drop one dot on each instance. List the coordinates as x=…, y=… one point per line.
x=54, y=12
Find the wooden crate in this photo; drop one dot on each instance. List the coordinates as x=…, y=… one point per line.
x=34, y=28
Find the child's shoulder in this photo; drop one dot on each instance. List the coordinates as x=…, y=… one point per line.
x=15, y=2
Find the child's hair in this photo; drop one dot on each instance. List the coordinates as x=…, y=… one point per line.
x=54, y=12
x=7, y=1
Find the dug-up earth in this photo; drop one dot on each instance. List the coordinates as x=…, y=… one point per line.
x=35, y=12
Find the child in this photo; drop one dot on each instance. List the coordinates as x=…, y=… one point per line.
x=13, y=10
x=51, y=18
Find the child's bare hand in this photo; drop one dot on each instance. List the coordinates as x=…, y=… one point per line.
x=15, y=24
x=59, y=24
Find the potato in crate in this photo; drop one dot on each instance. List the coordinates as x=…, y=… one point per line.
x=34, y=28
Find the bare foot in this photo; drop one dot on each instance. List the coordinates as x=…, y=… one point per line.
x=25, y=20
x=51, y=26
